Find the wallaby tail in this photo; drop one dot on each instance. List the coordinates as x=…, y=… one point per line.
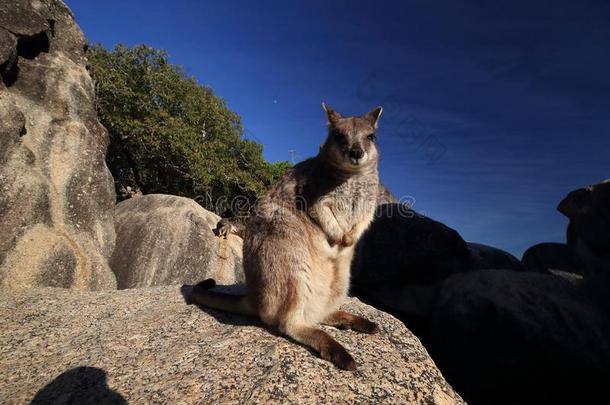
x=238, y=304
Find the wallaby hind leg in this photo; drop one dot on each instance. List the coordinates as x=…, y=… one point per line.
x=345, y=320
x=324, y=344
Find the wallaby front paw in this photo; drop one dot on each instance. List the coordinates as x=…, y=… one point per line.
x=334, y=240
x=347, y=240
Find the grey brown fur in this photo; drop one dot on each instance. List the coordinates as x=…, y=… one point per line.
x=299, y=244
x=237, y=226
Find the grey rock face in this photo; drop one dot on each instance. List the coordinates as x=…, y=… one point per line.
x=20, y=18
x=56, y=193
x=169, y=240
x=533, y=337
x=147, y=346
x=8, y=51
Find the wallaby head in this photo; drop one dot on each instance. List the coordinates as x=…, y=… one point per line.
x=351, y=143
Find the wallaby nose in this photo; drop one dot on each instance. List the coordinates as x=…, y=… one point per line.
x=356, y=153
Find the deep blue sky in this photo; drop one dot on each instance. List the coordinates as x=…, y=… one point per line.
x=492, y=112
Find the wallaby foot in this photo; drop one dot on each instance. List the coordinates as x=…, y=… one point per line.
x=344, y=241
x=328, y=347
x=345, y=320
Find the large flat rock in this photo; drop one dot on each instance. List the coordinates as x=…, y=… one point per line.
x=148, y=346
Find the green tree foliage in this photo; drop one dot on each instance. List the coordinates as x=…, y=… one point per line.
x=277, y=169
x=169, y=134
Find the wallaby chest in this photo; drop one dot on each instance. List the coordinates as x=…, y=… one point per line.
x=353, y=200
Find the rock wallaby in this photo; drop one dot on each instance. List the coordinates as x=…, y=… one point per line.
x=227, y=226
x=299, y=243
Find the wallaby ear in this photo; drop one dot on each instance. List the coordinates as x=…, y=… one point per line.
x=332, y=115
x=374, y=115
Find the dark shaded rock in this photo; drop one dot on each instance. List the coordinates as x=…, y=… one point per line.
x=589, y=211
x=546, y=256
x=169, y=240
x=401, y=300
x=533, y=337
x=595, y=265
x=487, y=257
x=400, y=260
x=56, y=193
x=588, y=237
x=404, y=247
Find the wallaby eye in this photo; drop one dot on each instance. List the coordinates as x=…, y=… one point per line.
x=338, y=136
x=371, y=137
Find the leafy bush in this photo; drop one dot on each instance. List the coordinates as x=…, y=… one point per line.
x=169, y=134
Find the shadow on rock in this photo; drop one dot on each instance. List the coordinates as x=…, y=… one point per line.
x=79, y=385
